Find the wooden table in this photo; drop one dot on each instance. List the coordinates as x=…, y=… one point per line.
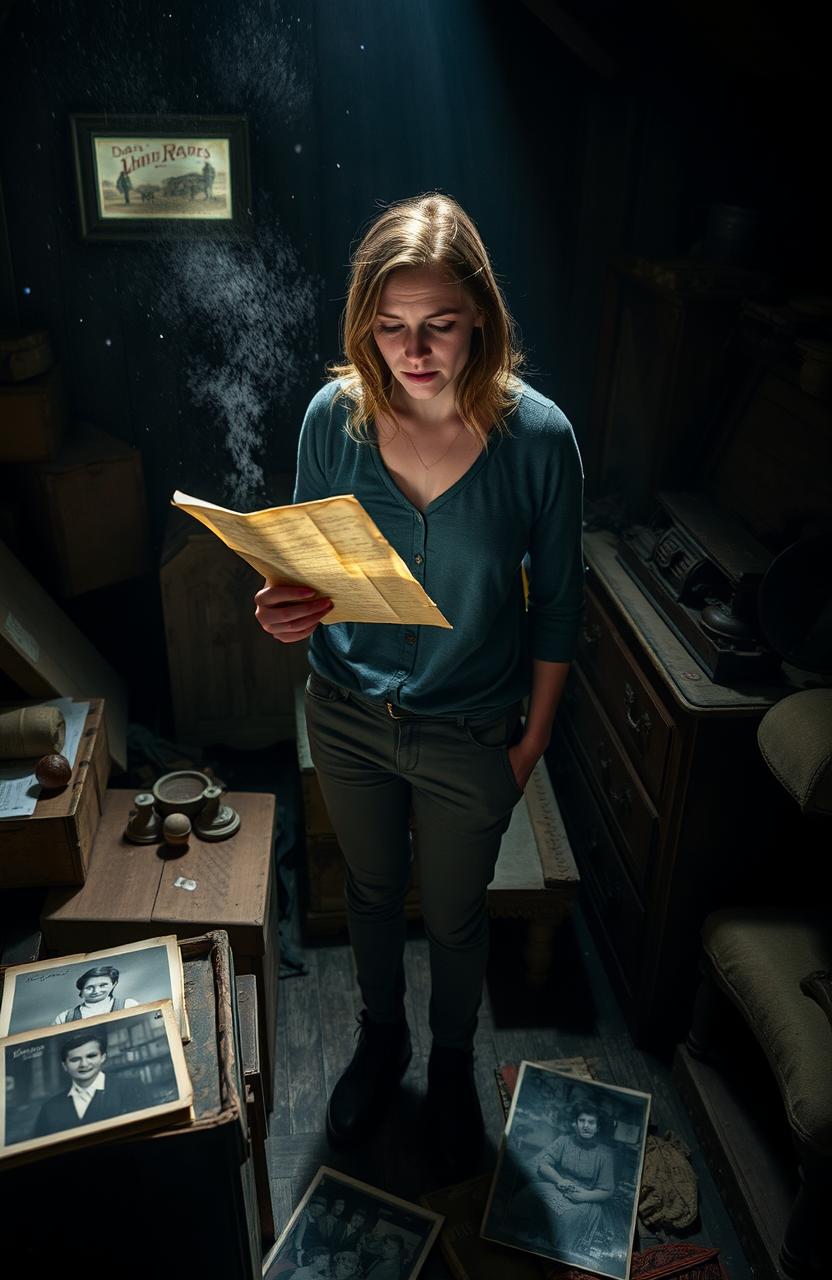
x=130, y=893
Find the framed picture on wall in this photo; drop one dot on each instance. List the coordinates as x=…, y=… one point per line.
x=144, y=177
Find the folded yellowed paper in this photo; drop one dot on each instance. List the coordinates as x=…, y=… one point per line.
x=331, y=545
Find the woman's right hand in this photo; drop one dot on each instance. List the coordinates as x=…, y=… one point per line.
x=290, y=613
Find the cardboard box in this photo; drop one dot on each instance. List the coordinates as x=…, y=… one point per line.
x=45, y=655
x=86, y=514
x=53, y=845
x=24, y=355
x=32, y=417
x=198, y=1175
x=230, y=681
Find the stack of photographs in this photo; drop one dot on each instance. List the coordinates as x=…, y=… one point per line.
x=91, y=1048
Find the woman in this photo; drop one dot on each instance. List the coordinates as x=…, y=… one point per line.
x=466, y=470
x=576, y=1176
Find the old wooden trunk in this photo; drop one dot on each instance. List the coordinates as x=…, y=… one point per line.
x=177, y=1202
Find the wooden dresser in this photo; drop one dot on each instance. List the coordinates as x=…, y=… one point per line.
x=669, y=808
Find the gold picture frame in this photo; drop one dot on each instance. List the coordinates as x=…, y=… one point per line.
x=146, y=177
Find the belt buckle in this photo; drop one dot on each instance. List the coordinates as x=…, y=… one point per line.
x=391, y=713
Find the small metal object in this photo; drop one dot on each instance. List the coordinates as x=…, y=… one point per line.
x=216, y=821
x=144, y=825
x=180, y=803
x=180, y=792
x=176, y=828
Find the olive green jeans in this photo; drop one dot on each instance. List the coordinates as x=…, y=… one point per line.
x=376, y=764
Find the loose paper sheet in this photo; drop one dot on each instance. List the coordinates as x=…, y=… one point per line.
x=331, y=545
x=19, y=788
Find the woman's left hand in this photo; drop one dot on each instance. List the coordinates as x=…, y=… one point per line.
x=523, y=756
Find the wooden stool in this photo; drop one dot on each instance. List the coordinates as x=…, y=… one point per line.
x=130, y=893
x=536, y=877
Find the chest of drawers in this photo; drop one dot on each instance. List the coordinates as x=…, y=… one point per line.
x=669, y=808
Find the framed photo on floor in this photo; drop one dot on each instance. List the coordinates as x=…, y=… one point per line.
x=343, y=1227
x=146, y=177
x=568, y=1171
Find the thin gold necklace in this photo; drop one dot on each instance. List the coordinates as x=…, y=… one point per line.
x=429, y=465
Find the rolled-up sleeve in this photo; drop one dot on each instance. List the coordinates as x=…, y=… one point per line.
x=310, y=481
x=556, y=563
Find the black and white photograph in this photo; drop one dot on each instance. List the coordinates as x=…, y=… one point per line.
x=67, y=1084
x=69, y=989
x=346, y=1230
x=568, y=1171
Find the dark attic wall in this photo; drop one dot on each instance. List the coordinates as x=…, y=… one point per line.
x=205, y=354
x=571, y=136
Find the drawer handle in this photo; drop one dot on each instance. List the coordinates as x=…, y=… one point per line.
x=591, y=635
x=640, y=725
x=621, y=799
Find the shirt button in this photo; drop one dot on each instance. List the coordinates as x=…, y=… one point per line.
x=410, y=637
x=419, y=559
x=418, y=518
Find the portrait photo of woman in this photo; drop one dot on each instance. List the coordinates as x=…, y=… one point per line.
x=568, y=1171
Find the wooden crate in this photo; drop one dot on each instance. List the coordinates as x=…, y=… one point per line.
x=131, y=893
x=53, y=845
x=230, y=682
x=32, y=417
x=199, y=1176
x=86, y=515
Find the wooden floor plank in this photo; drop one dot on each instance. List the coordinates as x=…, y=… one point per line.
x=283, y=1201
x=575, y=1015
x=337, y=997
x=280, y=1121
x=307, y=1089
x=417, y=996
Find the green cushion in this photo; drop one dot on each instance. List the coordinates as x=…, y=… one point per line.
x=758, y=956
x=795, y=737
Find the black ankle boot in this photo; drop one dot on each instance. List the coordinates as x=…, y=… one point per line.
x=360, y=1097
x=454, y=1130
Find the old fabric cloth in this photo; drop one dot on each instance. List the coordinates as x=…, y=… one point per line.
x=669, y=1189
x=660, y=1262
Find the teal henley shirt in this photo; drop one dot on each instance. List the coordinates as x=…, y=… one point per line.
x=520, y=500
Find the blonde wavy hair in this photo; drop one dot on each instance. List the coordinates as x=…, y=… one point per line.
x=429, y=230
